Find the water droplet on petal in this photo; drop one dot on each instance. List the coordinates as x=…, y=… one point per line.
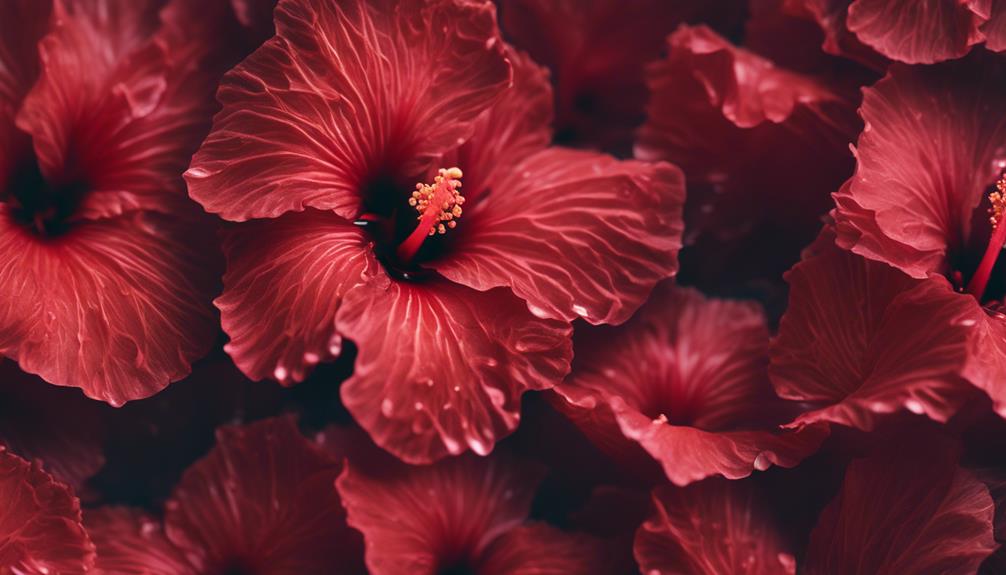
x=580, y=310
x=761, y=463
x=387, y=407
x=335, y=345
x=915, y=406
x=477, y=446
x=280, y=373
x=197, y=173
x=537, y=311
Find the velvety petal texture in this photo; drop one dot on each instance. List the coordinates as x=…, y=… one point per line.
x=117, y=307
x=931, y=148
x=342, y=94
x=711, y=528
x=441, y=367
x=284, y=283
x=574, y=234
x=40, y=522
x=898, y=514
x=686, y=379
x=861, y=338
x=916, y=32
x=262, y=501
x=762, y=148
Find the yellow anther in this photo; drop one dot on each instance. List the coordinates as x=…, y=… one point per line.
x=998, y=201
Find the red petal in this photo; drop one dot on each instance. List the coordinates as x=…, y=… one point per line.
x=131, y=543
x=539, y=549
x=931, y=147
x=516, y=126
x=40, y=523
x=710, y=528
x=914, y=32
x=934, y=518
x=441, y=367
x=597, y=50
x=127, y=126
x=56, y=427
x=762, y=149
x=117, y=307
x=285, y=280
x=427, y=520
x=994, y=28
x=263, y=501
x=575, y=234
x=830, y=16
x=342, y=95
x=867, y=339
x=699, y=364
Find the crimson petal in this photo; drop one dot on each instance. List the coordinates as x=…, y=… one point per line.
x=916, y=32
x=341, y=94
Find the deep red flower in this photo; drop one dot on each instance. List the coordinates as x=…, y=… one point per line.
x=262, y=502
x=861, y=338
x=462, y=515
x=762, y=148
x=686, y=379
x=324, y=133
x=597, y=50
x=934, y=147
x=56, y=427
x=40, y=525
x=709, y=528
x=107, y=270
x=904, y=513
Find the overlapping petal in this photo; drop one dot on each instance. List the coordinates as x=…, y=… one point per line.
x=441, y=367
x=40, y=522
x=916, y=32
x=686, y=379
x=131, y=542
x=284, y=283
x=477, y=500
x=117, y=307
x=861, y=339
x=710, y=528
x=932, y=146
x=762, y=148
x=346, y=95
x=540, y=549
x=898, y=514
x=574, y=234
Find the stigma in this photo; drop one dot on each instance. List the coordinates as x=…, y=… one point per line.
x=439, y=207
x=997, y=209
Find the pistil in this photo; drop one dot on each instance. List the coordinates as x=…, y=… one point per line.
x=439, y=207
x=976, y=286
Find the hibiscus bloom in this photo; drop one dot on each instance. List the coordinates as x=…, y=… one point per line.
x=106, y=270
x=262, y=501
x=40, y=525
x=324, y=133
x=710, y=528
x=895, y=513
x=686, y=380
x=461, y=515
x=924, y=197
x=597, y=50
x=762, y=148
x=861, y=338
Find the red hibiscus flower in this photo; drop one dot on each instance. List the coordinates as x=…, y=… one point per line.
x=461, y=515
x=685, y=379
x=710, y=528
x=861, y=338
x=915, y=512
x=924, y=200
x=324, y=134
x=762, y=148
x=40, y=525
x=597, y=50
x=106, y=271
x=262, y=501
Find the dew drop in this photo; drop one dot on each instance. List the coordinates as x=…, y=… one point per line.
x=197, y=173
x=387, y=407
x=418, y=405
x=335, y=345
x=311, y=358
x=537, y=311
x=280, y=373
x=580, y=310
x=967, y=322
x=914, y=406
x=457, y=388
x=453, y=447
x=761, y=463
x=477, y=446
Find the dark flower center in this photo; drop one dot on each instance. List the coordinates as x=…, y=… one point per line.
x=46, y=208
x=406, y=228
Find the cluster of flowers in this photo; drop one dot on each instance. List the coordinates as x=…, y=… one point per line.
x=409, y=213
